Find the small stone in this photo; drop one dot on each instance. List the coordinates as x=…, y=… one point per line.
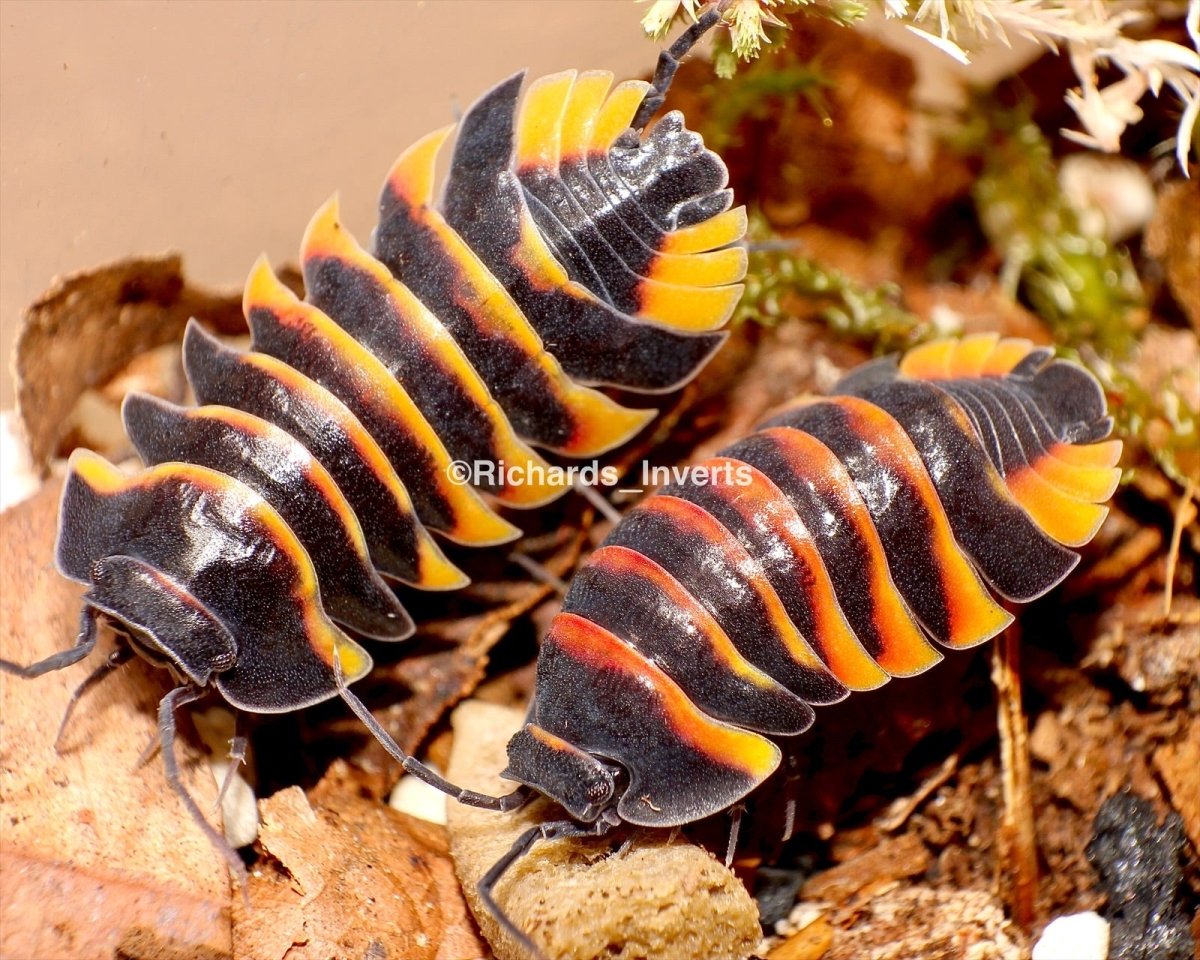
x=1140, y=865
x=1079, y=936
x=217, y=727
x=418, y=799
x=1113, y=196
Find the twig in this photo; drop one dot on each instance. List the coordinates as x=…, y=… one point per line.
x=1017, y=853
x=905, y=807
x=1185, y=513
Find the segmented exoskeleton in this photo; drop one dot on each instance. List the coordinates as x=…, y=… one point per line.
x=838, y=546
x=571, y=249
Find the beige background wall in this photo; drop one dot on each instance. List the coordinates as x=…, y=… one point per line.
x=216, y=128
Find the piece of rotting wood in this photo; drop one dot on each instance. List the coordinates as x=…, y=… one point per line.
x=1017, y=837
x=96, y=852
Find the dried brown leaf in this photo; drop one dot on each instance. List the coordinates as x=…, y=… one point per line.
x=346, y=876
x=90, y=325
x=94, y=848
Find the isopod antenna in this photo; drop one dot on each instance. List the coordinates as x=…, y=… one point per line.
x=413, y=766
x=555, y=830
x=669, y=61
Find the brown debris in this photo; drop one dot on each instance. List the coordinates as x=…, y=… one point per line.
x=902, y=808
x=1168, y=363
x=983, y=307
x=1178, y=764
x=1156, y=656
x=89, y=326
x=439, y=682
x=582, y=899
x=929, y=923
x=348, y=877
x=889, y=860
x=861, y=168
x=1174, y=238
x=810, y=943
x=94, y=848
x=450, y=660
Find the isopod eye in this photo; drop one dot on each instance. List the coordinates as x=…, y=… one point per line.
x=102, y=575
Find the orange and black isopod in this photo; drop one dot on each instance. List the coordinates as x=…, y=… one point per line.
x=574, y=247
x=840, y=545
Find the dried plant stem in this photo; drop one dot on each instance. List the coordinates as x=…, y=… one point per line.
x=1185, y=513
x=1017, y=849
x=898, y=814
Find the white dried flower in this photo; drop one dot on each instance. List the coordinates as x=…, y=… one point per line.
x=662, y=13
x=1093, y=31
x=746, y=19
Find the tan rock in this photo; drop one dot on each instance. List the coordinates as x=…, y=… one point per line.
x=583, y=899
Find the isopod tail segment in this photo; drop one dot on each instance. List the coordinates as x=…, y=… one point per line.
x=848, y=541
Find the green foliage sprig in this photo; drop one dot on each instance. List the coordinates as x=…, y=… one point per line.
x=1084, y=288
x=874, y=314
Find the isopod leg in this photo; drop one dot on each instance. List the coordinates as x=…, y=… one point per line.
x=85, y=643
x=736, y=812
x=555, y=830
x=538, y=572
x=598, y=500
x=166, y=735
x=791, y=790
x=668, y=64
x=115, y=659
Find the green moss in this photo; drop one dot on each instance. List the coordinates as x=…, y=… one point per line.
x=766, y=90
x=872, y=314
x=1085, y=289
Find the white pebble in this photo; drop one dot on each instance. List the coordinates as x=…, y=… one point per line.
x=18, y=479
x=239, y=807
x=1080, y=936
x=418, y=799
